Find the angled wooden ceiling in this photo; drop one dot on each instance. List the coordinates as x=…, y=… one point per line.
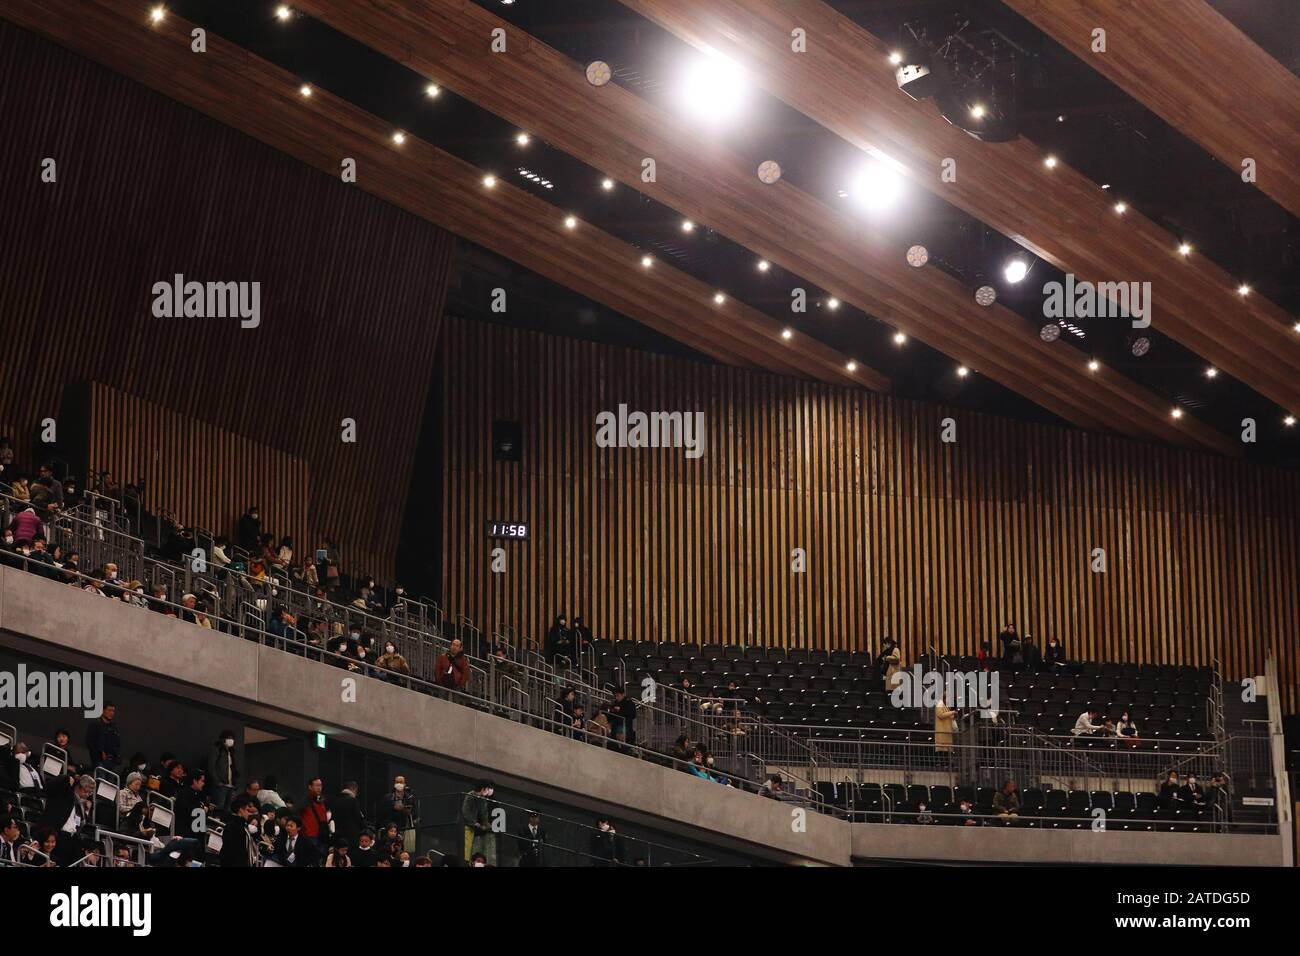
x=544, y=92
x=263, y=101
x=845, y=82
x=1191, y=67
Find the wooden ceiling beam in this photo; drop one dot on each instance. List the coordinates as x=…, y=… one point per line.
x=541, y=90
x=263, y=101
x=845, y=82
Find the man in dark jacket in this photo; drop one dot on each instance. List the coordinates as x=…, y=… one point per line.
x=249, y=532
x=103, y=741
x=623, y=713
x=606, y=844
x=188, y=823
x=293, y=848
x=349, y=822
x=532, y=840
x=238, y=842
x=558, y=643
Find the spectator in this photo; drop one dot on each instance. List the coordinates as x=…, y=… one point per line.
x=623, y=717
x=558, y=646
x=192, y=806
x=10, y=842
x=1033, y=657
x=1055, y=655
x=390, y=660
x=452, y=668
x=20, y=772
x=1169, y=796
x=1192, y=793
x=315, y=814
x=284, y=556
x=191, y=613
x=268, y=795
x=966, y=815
x=581, y=637
x=129, y=796
x=174, y=783
x=399, y=805
x=889, y=661
x=606, y=845
x=1086, y=725
x=219, y=557
x=26, y=525
x=366, y=854
x=1007, y=801
x=225, y=774
x=476, y=815
x=346, y=814
x=340, y=856
x=479, y=859
x=945, y=725
x=102, y=739
x=923, y=814
x=239, y=839
x=249, y=532
x=68, y=808
x=1126, y=730
x=294, y=847
x=531, y=838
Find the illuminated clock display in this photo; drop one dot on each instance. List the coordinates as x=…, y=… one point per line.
x=507, y=529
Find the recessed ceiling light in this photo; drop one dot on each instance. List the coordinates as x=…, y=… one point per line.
x=570, y=221
x=962, y=371
x=1060, y=118
x=1016, y=270
x=522, y=139
x=895, y=58
x=157, y=13
x=607, y=184
x=1211, y=372
x=1177, y=413
x=876, y=186
x=688, y=226
x=832, y=303
x=432, y=90
x=918, y=256
x=719, y=298
x=1050, y=162
x=1121, y=208
x=1184, y=249
x=283, y=12
x=1289, y=421
x=489, y=181
x=786, y=333
x=646, y=261
x=899, y=338
x=977, y=111
x=986, y=295
x=764, y=265
x=305, y=90
x=1243, y=289
x=852, y=366
x=1105, y=185
x=713, y=88
x=1094, y=365
x=1297, y=326
x=399, y=137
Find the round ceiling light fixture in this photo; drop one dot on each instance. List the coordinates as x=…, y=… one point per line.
x=769, y=171
x=1141, y=346
x=1050, y=332
x=986, y=295
x=918, y=256
x=598, y=73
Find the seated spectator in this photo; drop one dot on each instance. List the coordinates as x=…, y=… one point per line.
x=1086, y=725
x=219, y=556
x=293, y=847
x=1006, y=802
x=366, y=854
x=192, y=613
x=1055, y=654
x=451, y=670
x=10, y=842
x=129, y=795
x=26, y=525
x=923, y=814
x=340, y=855
x=19, y=770
x=1169, y=796
x=966, y=815
x=1126, y=729
x=558, y=645
x=392, y=661
x=1192, y=793
x=1033, y=657
x=268, y=795
x=284, y=555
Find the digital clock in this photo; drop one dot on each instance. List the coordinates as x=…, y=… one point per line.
x=517, y=530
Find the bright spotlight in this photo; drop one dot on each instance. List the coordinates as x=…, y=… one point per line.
x=607, y=184
x=977, y=111
x=570, y=222
x=1050, y=162
x=719, y=298
x=764, y=265
x=1016, y=270
x=157, y=13
x=962, y=371
x=282, y=12
x=1121, y=208
x=688, y=226
x=852, y=366
x=646, y=262
x=1243, y=289
x=713, y=88
x=786, y=333
x=1094, y=365
x=1184, y=249
x=1211, y=372
x=523, y=139
x=899, y=338
x=833, y=303
x=399, y=137
x=432, y=90
x=876, y=186
x=1177, y=413
x=489, y=181
x=305, y=90
x=895, y=58
x=1289, y=421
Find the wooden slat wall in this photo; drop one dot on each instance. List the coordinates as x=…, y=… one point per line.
x=934, y=543
x=205, y=475
x=352, y=287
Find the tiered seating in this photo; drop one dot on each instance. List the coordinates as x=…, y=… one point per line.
x=840, y=693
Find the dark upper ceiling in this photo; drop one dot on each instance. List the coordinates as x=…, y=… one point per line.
x=1062, y=105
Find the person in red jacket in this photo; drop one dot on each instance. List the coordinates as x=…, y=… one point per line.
x=315, y=814
x=451, y=670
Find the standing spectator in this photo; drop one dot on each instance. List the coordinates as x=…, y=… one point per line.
x=224, y=772
x=606, y=844
x=558, y=646
x=268, y=795
x=623, y=716
x=249, y=532
x=1033, y=657
x=26, y=525
x=189, y=821
x=315, y=814
x=476, y=815
x=346, y=814
x=532, y=840
x=398, y=808
x=889, y=661
x=945, y=725
x=451, y=670
x=103, y=741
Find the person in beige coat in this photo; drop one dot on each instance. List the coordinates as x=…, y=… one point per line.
x=889, y=662
x=945, y=725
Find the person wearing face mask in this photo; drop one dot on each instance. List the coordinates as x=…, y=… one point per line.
x=479, y=859
x=392, y=661
x=18, y=771
x=366, y=854
x=1054, y=654
x=476, y=815
x=399, y=805
x=239, y=839
x=225, y=774
x=1192, y=793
